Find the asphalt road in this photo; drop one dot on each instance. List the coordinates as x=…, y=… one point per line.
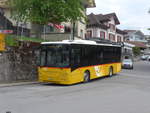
x=127, y=92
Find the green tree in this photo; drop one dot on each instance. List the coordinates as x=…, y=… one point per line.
x=136, y=51
x=45, y=11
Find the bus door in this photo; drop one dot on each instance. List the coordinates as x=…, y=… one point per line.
x=76, y=62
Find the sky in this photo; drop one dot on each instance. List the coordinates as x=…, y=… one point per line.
x=132, y=14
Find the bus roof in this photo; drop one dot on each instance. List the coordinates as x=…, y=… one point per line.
x=87, y=42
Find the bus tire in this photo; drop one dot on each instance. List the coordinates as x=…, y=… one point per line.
x=86, y=76
x=111, y=71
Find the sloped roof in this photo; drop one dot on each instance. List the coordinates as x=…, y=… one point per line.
x=102, y=18
x=114, y=16
x=138, y=32
x=120, y=31
x=130, y=31
x=94, y=20
x=97, y=20
x=137, y=44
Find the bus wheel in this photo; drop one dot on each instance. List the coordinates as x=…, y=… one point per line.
x=86, y=76
x=110, y=71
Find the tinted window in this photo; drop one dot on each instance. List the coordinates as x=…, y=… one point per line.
x=55, y=56
x=42, y=58
x=75, y=56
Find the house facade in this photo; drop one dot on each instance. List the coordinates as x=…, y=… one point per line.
x=148, y=40
x=52, y=32
x=135, y=35
x=137, y=38
x=104, y=27
x=8, y=24
x=5, y=23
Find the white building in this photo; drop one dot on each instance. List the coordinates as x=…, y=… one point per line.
x=104, y=27
x=135, y=35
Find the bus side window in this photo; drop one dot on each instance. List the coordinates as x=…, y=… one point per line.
x=43, y=58
x=99, y=54
x=75, y=56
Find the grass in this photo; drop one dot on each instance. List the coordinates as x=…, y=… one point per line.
x=13, y=40
x=29, y=39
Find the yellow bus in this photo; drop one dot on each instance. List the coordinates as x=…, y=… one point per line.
x=70, y=62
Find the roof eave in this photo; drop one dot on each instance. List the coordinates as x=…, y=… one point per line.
x=97, y=25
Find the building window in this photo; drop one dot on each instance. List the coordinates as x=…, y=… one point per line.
x=111, y=37
x=118, y=38
x=112, y=27
x=102, y=34
x=67, y=29
x=89, y=34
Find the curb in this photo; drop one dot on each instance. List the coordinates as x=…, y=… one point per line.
x=17, y=84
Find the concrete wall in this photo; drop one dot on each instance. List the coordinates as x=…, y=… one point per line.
x=56, y=36
x=17, y=64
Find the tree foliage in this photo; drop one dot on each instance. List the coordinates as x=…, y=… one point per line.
x=44, y=11
x=136, y=51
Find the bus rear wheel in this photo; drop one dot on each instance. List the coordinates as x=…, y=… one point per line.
x=110, y=71
x=86, y=76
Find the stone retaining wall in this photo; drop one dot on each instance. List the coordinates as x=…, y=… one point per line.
x=18, y=64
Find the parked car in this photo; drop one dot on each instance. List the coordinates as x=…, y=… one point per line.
x=144, y=57
x=148, y=58
x=127, y=64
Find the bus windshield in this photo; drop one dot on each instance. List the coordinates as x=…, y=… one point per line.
x=54, y=56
